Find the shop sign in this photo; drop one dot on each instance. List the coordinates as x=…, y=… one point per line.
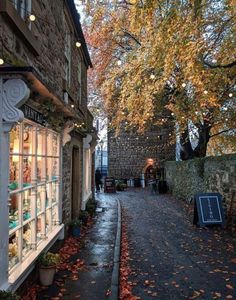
x=208, y=209
x=32, y=114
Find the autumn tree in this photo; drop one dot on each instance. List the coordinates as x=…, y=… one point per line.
x=161, y=60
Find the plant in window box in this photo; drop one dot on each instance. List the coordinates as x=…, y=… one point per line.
x=47, y=267
x=75, y=226
x=8, y=295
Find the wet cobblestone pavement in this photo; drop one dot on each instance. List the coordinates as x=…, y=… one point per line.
x=93, y=280
x=170, y=258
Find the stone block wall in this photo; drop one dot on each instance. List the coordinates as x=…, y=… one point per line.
x=209, y=174
x=128, y=153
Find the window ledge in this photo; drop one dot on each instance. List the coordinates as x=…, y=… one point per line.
x=20, y=273
x=9, y=12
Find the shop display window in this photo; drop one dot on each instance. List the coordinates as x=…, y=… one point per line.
x=33, y=187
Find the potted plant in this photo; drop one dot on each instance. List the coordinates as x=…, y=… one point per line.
x=83, y=216
x=47, y=267
x=8, y=295
x=75, y=225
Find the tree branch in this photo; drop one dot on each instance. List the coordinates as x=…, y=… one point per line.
x=223, y=131
x=230, y=65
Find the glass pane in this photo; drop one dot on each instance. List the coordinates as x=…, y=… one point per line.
x=40, y=229
x=48, y=220
x=54, y=192
x=40, y=161
x=55, y=215
x=40, y=142
x=40, y=199
x=15, y=140
x=14, y=172
x=55, y=144
x=27, y=170
x=49, y=143
x=55, y=164
x=27, y=239
x=49, y=169
x=27, y=214
x=28, y=134
x=14, y=211
x=13, y=250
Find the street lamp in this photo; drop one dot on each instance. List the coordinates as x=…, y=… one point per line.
x=101, y=147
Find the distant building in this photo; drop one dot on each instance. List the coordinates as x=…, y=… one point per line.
x=132, y=155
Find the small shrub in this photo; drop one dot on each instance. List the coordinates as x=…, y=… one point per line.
x=8, y=295
x=49, y=259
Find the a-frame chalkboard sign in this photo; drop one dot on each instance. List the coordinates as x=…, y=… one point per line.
x=208, y=209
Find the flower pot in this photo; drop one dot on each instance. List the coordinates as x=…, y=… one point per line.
x=75, y=230
x=46, y=275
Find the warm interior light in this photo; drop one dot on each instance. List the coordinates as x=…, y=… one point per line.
x=77, y=44
x=32, y=18
x=1, y=61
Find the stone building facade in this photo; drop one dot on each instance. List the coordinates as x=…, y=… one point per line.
x=47, y=137
x=132, y=155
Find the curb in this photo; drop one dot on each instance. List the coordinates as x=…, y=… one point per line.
x=116, y=260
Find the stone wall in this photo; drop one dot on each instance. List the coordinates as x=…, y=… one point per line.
x=210, y=174
x=130, y=152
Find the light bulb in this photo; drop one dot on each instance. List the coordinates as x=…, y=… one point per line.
x=205, y=92
x=152, y=76
x=77, y=44
x=1, y=61
x=32, y=18
x=184, y=84
x=230, y=95
x=119, y=62
x=72, y=105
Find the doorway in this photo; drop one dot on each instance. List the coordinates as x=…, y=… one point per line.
x=76, y=197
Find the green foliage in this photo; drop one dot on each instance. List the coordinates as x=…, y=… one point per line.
x=91, y=207
x=9, y=295
x=49, y=259
x=75, y=222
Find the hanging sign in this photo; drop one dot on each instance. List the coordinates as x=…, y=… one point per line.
x=208, y=209
x=32, y=114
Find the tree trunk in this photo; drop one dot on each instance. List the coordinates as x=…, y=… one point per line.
x=187, y=151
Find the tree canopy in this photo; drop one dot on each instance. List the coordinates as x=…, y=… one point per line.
x=167, y=59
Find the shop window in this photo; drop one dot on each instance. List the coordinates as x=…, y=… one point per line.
x=34, y=188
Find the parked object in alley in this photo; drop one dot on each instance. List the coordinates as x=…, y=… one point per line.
x=109, y=185
x=208, y=209
x=47, y=267
x=162, y=186
x=75, y=225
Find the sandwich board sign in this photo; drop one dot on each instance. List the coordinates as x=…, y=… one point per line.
x=208, y=209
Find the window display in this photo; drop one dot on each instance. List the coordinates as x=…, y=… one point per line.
x=33, y=187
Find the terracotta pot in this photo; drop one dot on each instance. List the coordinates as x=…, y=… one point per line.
x=46, y=275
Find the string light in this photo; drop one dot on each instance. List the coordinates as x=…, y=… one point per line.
x=230, y=95
x=183, y=84
x=78, y=44
x=1, y=61
x=72, y=105
x=32, y=18
x=119, y=63
x=152, y=76
x=205, y=92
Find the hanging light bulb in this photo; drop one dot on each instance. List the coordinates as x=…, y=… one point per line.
x=184, y=84
x=152, y=76
x=32, y=18
x=1, y=61
x=230, y=95
x=205, y=92
x=119, y=63
x=72, y=105
x=78, y=44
